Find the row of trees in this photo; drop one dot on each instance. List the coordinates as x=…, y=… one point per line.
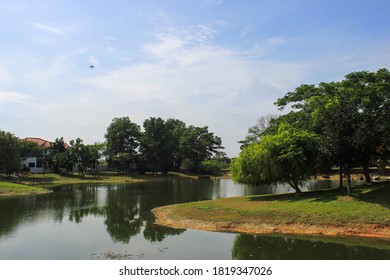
x=61, y=158
x=161, y=146
x=342, y=123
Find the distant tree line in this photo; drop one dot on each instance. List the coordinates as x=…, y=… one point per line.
x=162, y=146
x=344, y=124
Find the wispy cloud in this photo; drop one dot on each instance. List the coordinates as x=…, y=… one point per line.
x=190, y=77
x=12, y=97
x=245, y=31
x=48, y=28
x=185, y=47
x=188, y=64
x=109, y=38
x=213, y=2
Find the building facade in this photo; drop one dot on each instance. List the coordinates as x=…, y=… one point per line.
x=38, y=164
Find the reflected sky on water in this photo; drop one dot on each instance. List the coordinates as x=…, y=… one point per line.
x=115, y=222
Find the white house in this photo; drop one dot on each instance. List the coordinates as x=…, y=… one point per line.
x=35, y=164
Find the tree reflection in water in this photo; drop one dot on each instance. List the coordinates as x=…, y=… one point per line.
x=125, y=214
x=263, y=247
x=121, y=212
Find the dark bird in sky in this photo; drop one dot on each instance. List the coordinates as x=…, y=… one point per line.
x=91, y=66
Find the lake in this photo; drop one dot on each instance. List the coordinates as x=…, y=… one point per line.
x=113, y=221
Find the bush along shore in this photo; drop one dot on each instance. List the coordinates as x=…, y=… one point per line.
x=329, y=213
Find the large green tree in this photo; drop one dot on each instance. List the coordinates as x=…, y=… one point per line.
x=371, y=99
x=60, y=159
x=9, y=153
x=96, y=152
x=29, y=149
x=122, y=140
x=198, y=144
x=177, y=130
x=289, y=156
x=84, y=156
x=158, y=145
x=166, y=144
x=351, y=116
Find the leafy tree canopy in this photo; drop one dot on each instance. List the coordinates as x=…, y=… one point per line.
x=288, y=156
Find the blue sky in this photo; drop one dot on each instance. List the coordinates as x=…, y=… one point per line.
x=215, y=63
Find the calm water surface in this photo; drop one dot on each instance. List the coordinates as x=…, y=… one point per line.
x=115, y=222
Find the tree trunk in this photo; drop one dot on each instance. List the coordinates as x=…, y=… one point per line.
x=341, y=176
x=349, y=182
x=366, y=173
x=295, y=187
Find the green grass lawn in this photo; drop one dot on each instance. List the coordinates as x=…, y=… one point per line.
x=53, y=178
x=10, y=188
x=36, y=183
x=368, y=205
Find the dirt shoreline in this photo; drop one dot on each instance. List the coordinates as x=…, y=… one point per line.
x=164, y=218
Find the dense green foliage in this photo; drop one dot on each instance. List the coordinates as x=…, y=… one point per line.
x=350, y=119
x=288, y=156
x=162, y=146
x=122, y=138
x=166, y=145
x=62, y=157
x=160, y=143
x=9, y=153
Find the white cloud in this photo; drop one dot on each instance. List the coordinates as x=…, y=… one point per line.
x=188, y=76
x=213, y=2
x=110, y=38
x=48, y=28
x=12, y=97
x=245, y=31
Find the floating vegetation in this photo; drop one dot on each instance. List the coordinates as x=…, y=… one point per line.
x=121, y=255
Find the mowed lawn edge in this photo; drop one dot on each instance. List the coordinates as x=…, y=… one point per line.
x=39, y=183
x=331, y=212
x=12, y=189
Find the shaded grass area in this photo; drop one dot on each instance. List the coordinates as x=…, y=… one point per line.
x=368, y=205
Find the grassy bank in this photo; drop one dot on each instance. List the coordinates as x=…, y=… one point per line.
x=39, y=183
x=10, y=188
x=366, y=213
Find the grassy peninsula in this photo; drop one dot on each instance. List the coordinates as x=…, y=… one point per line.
x=331, y=213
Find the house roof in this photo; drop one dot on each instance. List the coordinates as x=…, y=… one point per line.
x=41, y=142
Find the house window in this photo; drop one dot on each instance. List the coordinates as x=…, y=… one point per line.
x=39, y=163
x=31, y=164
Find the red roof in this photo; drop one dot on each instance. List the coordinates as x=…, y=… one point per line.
x=41, y=142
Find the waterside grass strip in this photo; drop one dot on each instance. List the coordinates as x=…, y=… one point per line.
x=332, y=213
x=12, y=189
